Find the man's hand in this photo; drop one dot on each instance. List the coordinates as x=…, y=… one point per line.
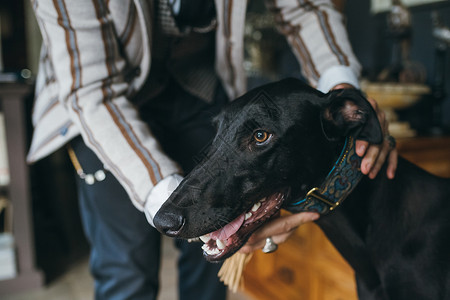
x=374, y=156
x=279, y=229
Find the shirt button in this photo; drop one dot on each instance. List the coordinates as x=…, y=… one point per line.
x=137, y=71
x=63, y=131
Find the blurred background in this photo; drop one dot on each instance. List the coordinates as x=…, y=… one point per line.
x=403, y=47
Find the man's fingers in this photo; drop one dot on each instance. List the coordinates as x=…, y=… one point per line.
x=374, y=104
x=378, y=163
x=374, y=156
x=361, y=147
x=370, y=158
x=282, y=224
x=278, y=229
x=386, y=151
x=277, y=239
x=392, y=164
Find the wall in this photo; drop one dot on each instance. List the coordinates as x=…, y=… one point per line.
x=367, y=34
x=33, y=37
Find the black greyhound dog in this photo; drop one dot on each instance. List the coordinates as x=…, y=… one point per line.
x=286, y=145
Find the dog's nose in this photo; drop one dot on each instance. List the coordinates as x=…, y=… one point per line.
x=169, y=223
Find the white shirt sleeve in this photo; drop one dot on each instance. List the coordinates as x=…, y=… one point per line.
x=337, y=75
x=159, y=194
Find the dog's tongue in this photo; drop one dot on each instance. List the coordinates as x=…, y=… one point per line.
x=229, y=229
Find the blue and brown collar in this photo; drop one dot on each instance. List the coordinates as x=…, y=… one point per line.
x=339, y=183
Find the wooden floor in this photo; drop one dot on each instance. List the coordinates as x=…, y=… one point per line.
x=76, y=283
x=307, y=267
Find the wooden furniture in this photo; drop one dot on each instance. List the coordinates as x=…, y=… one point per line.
x=13, y=106
x=430, y=153
x=308, y=266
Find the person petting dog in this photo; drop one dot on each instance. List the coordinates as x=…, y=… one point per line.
x=130, y=87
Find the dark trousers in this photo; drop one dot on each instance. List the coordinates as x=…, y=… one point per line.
x=125, y=249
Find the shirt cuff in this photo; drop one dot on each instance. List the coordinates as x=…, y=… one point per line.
x=337, y=75
x=159, y=194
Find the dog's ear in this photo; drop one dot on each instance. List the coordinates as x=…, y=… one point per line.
x=347, y=112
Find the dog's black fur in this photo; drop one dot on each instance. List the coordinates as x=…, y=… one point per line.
x=394, y=233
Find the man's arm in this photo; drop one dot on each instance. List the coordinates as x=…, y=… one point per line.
x=90, y=70
x=317, y=35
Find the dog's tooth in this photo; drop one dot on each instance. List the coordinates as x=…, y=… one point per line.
x=205, y=238
x=263, y=199
x=221, y=244
x=212, y=251
x=196, y=239
x=248, y=216
x=256, y=206
x=205, y=247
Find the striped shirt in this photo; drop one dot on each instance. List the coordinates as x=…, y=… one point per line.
x=97, y=54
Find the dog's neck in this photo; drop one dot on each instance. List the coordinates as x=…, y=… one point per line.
x=341, y=180
x=339, y=183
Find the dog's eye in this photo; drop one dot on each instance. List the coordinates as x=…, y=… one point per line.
x=261, y=136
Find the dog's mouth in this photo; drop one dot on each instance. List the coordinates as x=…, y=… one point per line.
x=223, y=243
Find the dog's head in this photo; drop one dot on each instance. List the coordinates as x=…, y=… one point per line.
x=272, y=145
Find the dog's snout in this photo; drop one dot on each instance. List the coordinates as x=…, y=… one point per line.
x=169, y=223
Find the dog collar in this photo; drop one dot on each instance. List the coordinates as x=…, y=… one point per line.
x=339, y=183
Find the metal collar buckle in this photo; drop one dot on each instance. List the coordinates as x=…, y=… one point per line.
x=338, y=184
x=315, y=193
